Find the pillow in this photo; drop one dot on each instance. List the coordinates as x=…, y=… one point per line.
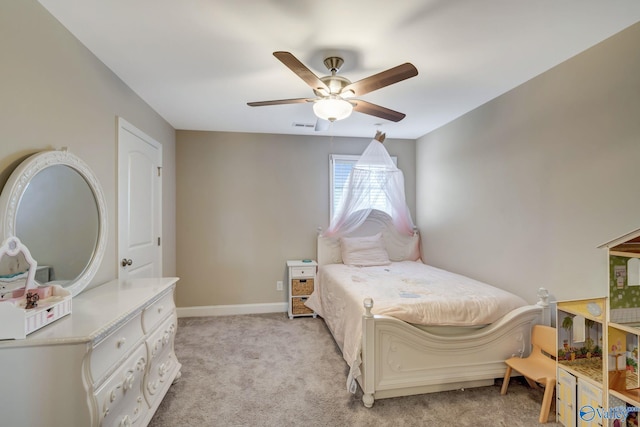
x=405, y=249
x=364, y=251
x=329, y=250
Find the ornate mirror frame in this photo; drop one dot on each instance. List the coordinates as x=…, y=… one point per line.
x=17, y=185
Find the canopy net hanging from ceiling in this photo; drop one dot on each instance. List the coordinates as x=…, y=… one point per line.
x=375, y=182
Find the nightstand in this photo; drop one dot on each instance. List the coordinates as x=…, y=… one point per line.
x=301, y=278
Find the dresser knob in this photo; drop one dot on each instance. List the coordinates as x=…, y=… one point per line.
x=160, y=309
x=126, y=422
x=121, y=342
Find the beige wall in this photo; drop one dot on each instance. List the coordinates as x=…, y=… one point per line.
x=521, y=191
x=55, y=93
x=249, y=202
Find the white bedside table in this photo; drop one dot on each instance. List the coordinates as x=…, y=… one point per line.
x=301, y=278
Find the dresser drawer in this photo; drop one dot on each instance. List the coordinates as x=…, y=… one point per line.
x=114, y=347
x=121, y=399
x=163, y=365
x=303, y=271
x=157, y=311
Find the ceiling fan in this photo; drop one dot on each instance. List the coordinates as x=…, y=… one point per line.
x=335, y=95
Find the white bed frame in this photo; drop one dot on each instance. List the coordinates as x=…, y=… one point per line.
x=399, y=359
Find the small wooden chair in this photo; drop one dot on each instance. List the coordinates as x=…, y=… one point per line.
x=538, y=367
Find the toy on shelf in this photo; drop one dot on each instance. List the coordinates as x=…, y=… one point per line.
x=26, y=307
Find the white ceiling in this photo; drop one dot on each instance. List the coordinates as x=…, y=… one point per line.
x=198, y=62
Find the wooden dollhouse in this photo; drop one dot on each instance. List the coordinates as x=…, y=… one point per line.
x=624, y=323
x=597, y=353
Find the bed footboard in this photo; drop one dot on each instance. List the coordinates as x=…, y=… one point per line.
x=399, y=359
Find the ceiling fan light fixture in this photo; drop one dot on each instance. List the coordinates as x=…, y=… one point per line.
x=332, y=108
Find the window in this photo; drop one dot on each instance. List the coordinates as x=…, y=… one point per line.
x=633, y=272
x=341, y=165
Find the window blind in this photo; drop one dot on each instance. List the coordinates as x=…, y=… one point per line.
x=341, y=165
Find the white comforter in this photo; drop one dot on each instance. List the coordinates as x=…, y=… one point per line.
x=410, y=291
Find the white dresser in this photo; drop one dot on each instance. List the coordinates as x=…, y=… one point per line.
x=109, y=363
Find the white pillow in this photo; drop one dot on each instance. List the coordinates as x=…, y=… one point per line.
x=402, y=248
x=364, y=251
x=329, y=250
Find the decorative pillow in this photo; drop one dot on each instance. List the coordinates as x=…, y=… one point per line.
x=364, y=251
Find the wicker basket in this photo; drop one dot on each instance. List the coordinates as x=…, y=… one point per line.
x=301, y=286
x=298, y=307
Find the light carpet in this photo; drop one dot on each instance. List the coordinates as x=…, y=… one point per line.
x=268, y=370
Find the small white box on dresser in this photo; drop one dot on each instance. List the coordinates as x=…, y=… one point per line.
x=17, y=318
x=16, y=322
x=301, y=279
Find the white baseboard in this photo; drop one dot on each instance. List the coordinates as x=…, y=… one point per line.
x=228, y=310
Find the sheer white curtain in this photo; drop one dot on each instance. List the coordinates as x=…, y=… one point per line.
x=373, y=177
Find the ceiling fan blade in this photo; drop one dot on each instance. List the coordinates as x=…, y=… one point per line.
x=382, y=79
x=279, y=102
x=301, y=70
x=378, y=111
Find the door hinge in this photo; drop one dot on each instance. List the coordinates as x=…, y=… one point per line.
x=158, y=241
x=159, y=170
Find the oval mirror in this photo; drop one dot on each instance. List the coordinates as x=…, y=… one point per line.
x=55, y=205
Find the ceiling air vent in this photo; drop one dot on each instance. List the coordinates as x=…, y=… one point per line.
x=304, y=125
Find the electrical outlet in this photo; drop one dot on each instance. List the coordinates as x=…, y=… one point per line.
x=279, y=285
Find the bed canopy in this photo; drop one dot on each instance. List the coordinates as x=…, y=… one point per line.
x=373, y=179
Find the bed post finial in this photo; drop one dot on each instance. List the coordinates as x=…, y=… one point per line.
x=543, y=294
x=368, y=305
x=543, y=302
x=319, y=230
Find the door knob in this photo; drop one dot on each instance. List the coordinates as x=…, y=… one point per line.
x=126, y=262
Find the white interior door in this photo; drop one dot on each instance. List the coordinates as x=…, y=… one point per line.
x=139, y=203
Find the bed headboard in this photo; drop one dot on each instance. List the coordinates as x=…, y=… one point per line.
x=400, y=247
